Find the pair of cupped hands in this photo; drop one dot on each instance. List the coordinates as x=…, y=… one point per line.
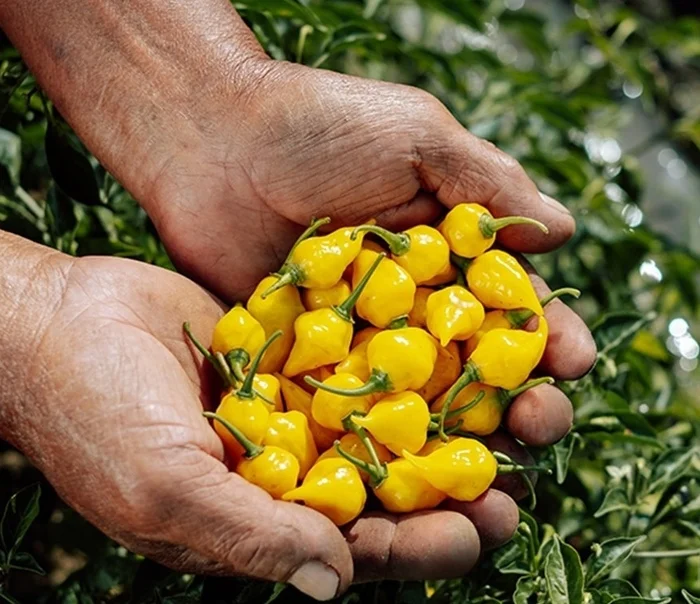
x=113, y=409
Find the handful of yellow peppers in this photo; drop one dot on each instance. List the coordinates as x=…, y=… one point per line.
x=379, y=362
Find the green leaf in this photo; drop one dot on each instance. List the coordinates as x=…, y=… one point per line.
x=615, y=500
x=20, y=512
x=70, y=168
x=690, y=598
x=564, y=574
x=618, y=588
x=524, y=588
x=5, y=597
x=639, y=600
x=562, y=455
x=10, y=161
x=670, y=466
x=608, y=555
x=626, y=439
x=276, y=592
x=25, y=562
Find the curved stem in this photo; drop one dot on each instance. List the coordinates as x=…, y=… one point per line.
x=399, y=322
x=217, y=360
x=251, y=449
x=460, y=262
x=246, y=390
x=489, y=226
x=237, y=360
x=508, y=395
x=377, y=382
x=377, y=475
x=363, y=435
x=222, y=367
x=344, y=309
x=197, y=344
x=287, y=276
x=470, y=374
x=399, y=243
x=459, y=410
x=558, y=293
x=316, y=223
x=517, y=318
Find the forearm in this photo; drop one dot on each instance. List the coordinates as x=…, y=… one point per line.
x=32, y=282
x=119, y=72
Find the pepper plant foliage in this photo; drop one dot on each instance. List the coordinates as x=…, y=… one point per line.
x=619, y=521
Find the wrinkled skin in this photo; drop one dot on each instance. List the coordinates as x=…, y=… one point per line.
x=114, y=417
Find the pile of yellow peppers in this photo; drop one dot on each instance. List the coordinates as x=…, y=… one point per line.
x=375, y=360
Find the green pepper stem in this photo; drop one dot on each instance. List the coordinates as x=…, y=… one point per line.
x=507, y=465
x=237, y=360
x=508, y=395
x=289, y=274
x=399, y=322
x=378, y=382
x=518, y=317
x=460, y=262
x=377, y=474
x=316, y=223
x=251, y=449
x=469, y=375
x=489, y=226
x=197, y=344
x=399, y=243
x=217, y=362
x=459, y=410
x=363, y=435
x=344, y=309
x=246, y=389
x=222, y=367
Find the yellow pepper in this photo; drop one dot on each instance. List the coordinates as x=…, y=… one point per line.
x=323, y=336
x=389, y=293
x=334, y=488
x=267, y=387
x=364, y=335
x=278, y=311
x=498, y=281
x=453, y=313
x=511, y=319
x=405, y=490
x=449, y=275
x=298, y=399
x=421, y=250
x=325, y=298
x=470, y=229
x=399, y=359
x=290, y=431
x=320, y=374
x=463, y=469
x=399, y=421
x=355, y=447
x=317, y=262
x=355, y=363
x=447, y=370
x=331, y=409
x=486, y=415
x=418, y=316
x=271, y=468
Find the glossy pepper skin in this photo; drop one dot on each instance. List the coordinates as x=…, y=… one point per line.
x=453, y=313
x=267, y=387
x=355, y=447
x=405, y=490
x=276, y=312
x=298, y=399
x=463, y=469
x=249, y=415
x=448, y=276
x=470, y=229
x=334, y=488
x=325, y=298
x=421, y=250
x=323, y=336
x=389, y=293
x=364, y=335
x=356, y=362
x=238, y=336
x=399, y=359
x=290, y=431
x=418, y=317
x=498, y=281
x=318, y=262
x=447, y=369
x=329, y=409
x=399, y=421
x=320, y=374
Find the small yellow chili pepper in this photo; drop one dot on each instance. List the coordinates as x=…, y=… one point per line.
x=405, y=490
x=463, y=469
x=447, y=370
x=267, y=387
x=323, y=336
x=399, y=421
x=353, y=444
x=511, y=319
x=331, y=409
x=399, y=359
x=298, y=399
x=453, y=313
x=290, y=431
x=486, y=415
x=389, y=293
x=334, y=488
x=355, y=363
x=470, y=229
x=276, y=312
x=317, y=261
x=320, y=374
x=498, y=281
x=449, y=275
x=421, y=250
x=418, y=316
x=271, y=468
x=364, y=335
x=325, y=298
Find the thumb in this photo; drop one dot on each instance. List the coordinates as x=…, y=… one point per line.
x=224, y=524
x=460, y=167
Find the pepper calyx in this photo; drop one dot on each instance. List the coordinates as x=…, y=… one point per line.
x=246, y=390
x=378, y=382
x=489, y=226
x=344, y=309
x=399, y=243
x=251, y=449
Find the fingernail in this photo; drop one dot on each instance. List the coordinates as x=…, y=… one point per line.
x=554, y=204
x=316, y=580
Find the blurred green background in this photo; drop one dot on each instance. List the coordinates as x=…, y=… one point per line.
x=600, y=101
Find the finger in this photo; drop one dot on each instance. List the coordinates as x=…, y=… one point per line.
x=512, y=484
x=571, y=350
x=434, y=544
x=459, y=167
x=494, y=515
x=540, y=416
x=424, y=208
x=239, y=529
